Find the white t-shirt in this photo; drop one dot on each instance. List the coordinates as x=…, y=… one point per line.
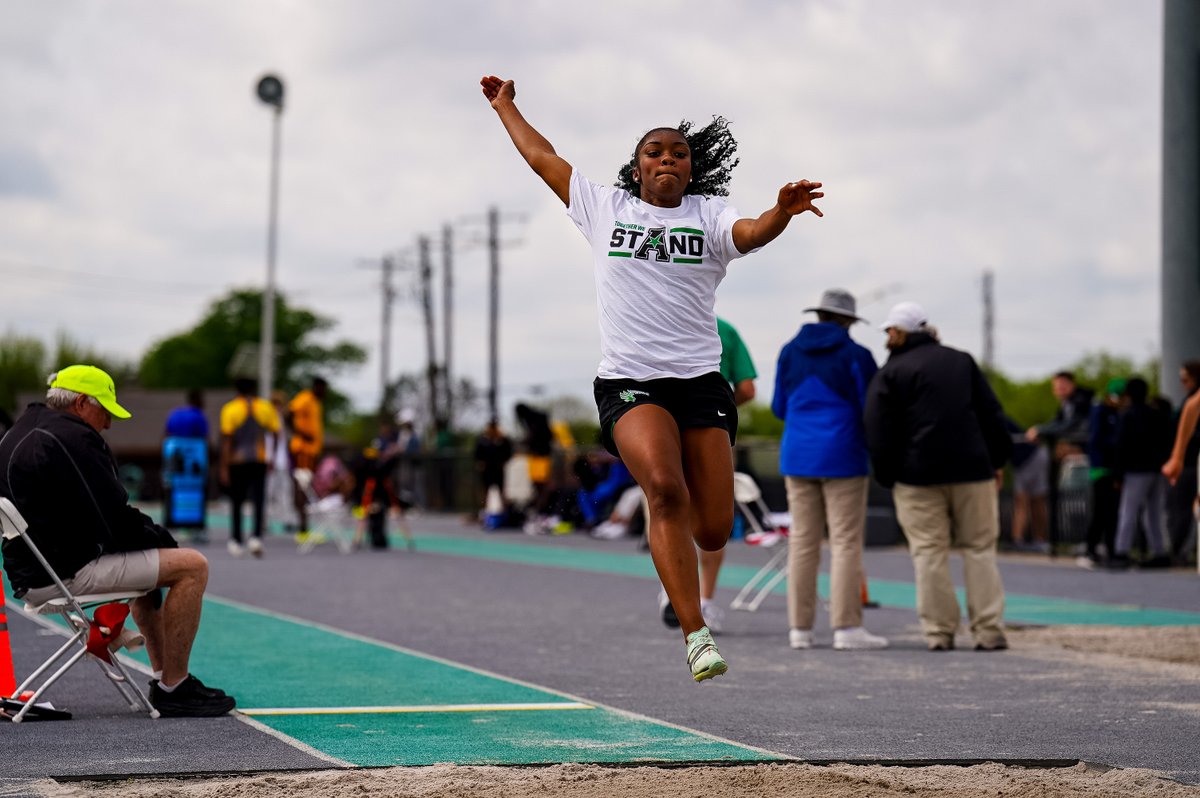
x=657, y=272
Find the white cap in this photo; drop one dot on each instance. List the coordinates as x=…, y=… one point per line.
x=907, y=316
x=406, y=416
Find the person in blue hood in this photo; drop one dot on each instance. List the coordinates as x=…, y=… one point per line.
x=820, y=390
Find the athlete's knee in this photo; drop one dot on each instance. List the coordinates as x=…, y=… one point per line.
x=666, y=494
x=712, y=531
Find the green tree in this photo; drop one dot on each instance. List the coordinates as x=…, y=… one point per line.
x=24, y=365
x=201, y=357
x=22, y=368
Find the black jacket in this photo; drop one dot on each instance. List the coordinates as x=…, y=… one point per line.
x=1144, y=440
x=932, y=419
x=62, y=477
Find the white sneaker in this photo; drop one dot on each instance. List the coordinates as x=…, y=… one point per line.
x=235, y=548
x=714, y=616
x=857, y=639
x=800, y=638
x=609, y=530
x=255, y=546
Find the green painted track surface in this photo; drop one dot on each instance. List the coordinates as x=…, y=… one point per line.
x=280, y=662
x=890, y=593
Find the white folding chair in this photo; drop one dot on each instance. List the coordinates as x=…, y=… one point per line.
x=73, y=609
x=329, y=518
x=748, y=498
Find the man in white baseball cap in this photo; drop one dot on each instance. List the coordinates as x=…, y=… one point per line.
x=937, y=437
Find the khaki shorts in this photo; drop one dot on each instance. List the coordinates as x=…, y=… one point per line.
x=109, y=573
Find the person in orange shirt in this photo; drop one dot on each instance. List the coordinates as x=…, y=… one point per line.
x=245, y=422
x=308, y=437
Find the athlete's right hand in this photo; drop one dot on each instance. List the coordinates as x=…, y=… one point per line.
x=495, y=89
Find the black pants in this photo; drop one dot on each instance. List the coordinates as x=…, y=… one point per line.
x=247, y=481
x=1102, y=528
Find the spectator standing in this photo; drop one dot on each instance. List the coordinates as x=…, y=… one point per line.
x=185, y=467
x=1105, y=483
x=1069, y=427
x=493, y=450
x=1143, y=446
x=1030, y=469
x=305, y=417
x=58, y=471
x=937, y=437
x=820, y=392
x=246, y=420
x=1181, y=493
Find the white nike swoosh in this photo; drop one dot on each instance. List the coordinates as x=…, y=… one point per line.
x=719, y=413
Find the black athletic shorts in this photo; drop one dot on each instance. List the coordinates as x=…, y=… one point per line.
x=704, y=401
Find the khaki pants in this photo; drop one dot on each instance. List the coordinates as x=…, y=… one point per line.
x=841, y=506
x=962, y=516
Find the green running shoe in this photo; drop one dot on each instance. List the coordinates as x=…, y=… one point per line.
x=703, y=657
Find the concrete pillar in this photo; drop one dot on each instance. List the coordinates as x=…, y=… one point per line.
x=1181, y=190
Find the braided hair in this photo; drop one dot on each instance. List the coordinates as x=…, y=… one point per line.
x=712, y=147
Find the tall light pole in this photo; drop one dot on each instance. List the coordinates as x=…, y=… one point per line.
x=270, y=91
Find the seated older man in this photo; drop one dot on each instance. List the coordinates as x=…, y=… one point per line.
x=58, y=471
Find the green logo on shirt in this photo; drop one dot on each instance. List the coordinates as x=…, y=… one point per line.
x=678, y=245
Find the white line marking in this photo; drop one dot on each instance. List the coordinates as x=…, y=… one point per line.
x=293, y=742
x=414, y=708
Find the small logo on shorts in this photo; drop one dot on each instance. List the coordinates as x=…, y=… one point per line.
x=630, y=395
x=719, y=413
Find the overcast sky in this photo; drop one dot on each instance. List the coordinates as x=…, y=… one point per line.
x=952, y=136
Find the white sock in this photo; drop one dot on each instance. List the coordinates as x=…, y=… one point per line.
x=157, y=675
x=171, y=688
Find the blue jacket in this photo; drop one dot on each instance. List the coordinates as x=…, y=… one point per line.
x=820, y=389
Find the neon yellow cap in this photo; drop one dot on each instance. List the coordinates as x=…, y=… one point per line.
x=93, y=382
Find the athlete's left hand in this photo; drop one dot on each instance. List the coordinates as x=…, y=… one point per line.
x=796, y=198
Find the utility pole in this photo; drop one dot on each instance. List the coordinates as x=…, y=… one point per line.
x=493, y=241
x=270, y=92
x=431, y=369
x=447, y=325
x=385, y=332
x=989, y=319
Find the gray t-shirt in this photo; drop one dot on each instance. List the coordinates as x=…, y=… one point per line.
x=657, y=272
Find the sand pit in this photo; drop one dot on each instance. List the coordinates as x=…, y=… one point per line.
x=590, y=781
x=1146, y=647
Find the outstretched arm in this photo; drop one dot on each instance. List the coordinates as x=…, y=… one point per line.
x=1187, y=426
x=794, y=199
x=534, y=148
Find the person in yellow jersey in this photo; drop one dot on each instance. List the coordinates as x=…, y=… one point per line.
x=246, y=421
x=304, y=416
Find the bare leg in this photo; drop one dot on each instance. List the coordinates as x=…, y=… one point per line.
x=710, y=569
x=1041, y=518
x=650, y=446
x=169, y=631
x=1020, y=517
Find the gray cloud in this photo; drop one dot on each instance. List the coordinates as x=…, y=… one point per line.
x=1020, y=137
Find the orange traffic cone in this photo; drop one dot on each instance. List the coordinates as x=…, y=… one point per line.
x=8, y=679
x=866, y=595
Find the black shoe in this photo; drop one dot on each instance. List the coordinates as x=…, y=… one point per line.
x=1118, y=562
x=669, y=617
x=191, y=699
x=1000, y=644
x=940, y=643
x=1161, y=561
x=199, y=685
